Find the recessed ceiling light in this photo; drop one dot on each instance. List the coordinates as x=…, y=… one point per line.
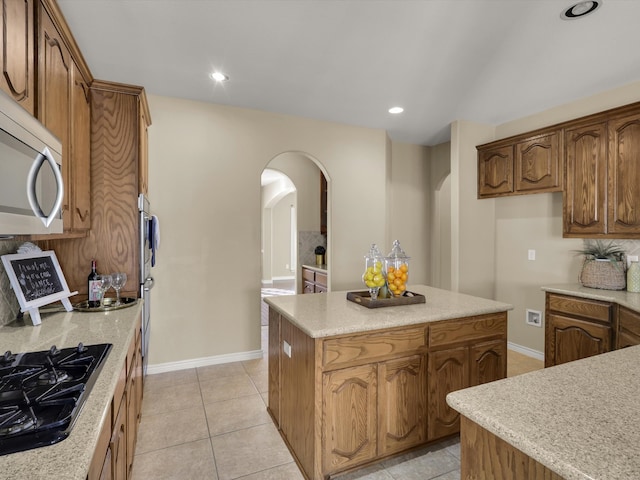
x=580, y=9
x=396, y=110
x=219, y=77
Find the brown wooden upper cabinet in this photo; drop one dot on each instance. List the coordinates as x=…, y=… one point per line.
x=64, y=108
x=602, y=191
x=520, y=165
x=17, y=51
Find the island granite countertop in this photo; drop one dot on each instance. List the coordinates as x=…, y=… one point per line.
x=578, y=419
x=327, y=314
x=70, y=458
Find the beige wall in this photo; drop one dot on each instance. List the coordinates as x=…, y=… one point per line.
x=440, y=225
x=525, y=222
x=410, y=208
x=204, y=168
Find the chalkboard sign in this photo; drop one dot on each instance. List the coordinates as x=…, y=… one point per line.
x=37, y=280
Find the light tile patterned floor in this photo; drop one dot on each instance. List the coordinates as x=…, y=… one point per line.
x=211, y=423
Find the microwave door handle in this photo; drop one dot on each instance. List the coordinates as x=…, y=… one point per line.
x=31, y=187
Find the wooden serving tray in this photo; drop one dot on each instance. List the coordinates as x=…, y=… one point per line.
x=363, y=298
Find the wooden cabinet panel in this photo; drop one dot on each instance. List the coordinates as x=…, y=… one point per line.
x=488, y=362
x=624, y=175
x=581, y=307
x=374, y=346
x=629, y=328
x=274, y=365
x=118, y=445
x=313, y=282
x=350, y=417
x=101, y=463
x=537, y=164
x=79, y=216
x=17, y=51
x=584, y=201
x=54, y=95
x=495, y=171
x=485, y=456
x=402, y=409
x=568, y=339
x=297, y=392
x=448, y=371
x=470, y=329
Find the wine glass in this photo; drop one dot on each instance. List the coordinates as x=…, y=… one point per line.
x=105, y=284
x=118, y=281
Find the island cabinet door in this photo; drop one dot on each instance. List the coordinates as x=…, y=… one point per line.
x=402, y=410
x=448, y=371
x=488, y=362
x=349, y=417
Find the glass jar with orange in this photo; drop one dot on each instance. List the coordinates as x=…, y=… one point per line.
x=397, y=269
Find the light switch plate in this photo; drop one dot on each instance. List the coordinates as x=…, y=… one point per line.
x=286, y=348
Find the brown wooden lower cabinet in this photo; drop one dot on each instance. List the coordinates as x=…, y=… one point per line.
x=578, y=328
x=345, y=401
x=484, y=456
x=113, y=457
x=313, y=282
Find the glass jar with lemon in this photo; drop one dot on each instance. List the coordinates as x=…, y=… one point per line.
x=373, y=276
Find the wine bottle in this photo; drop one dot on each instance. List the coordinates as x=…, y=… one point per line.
x=93, y=287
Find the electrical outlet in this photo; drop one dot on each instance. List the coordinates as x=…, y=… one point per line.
x=631, y=258
x=531, y=254
x=286, y=348
x=534, y=317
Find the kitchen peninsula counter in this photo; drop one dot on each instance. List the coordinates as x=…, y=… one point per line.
x=70, y=458
x=334, y=364
x=578, y=420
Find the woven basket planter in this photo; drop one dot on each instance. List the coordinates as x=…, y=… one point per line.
x=603, y=274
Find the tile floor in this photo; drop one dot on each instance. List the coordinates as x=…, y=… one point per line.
x=211, y=423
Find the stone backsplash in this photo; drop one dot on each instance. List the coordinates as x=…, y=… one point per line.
x=307, y=243
x=9, y=306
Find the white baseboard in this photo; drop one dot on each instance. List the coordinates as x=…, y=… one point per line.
x=204, y=362
x=529, y=352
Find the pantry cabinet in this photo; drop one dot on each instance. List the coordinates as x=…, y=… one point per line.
x=348, y=400
x=520, y=165
x=17, y=51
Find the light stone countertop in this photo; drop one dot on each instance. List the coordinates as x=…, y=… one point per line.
x=316, y=268
x=70, y=458
x=327, y=314
x=622, y=297
x=580, y=419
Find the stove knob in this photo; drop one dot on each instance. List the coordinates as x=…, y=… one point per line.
x=81, y=348
x=7, y=357
x=53, y=351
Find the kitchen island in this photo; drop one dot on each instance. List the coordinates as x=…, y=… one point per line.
x=72, y=457
x=349, y=385
x=575, y=421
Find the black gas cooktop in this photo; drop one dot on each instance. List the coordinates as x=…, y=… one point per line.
x=42, y=393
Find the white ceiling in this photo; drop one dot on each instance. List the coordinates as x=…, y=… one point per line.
x=348, y=61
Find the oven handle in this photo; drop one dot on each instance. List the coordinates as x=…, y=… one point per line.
x=31, y=187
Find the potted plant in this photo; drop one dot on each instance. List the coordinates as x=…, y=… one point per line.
x=603, y=266
x=320, y=251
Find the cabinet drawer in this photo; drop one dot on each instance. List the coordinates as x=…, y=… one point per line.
x=451, y=332
x=339, y=352
x=629, y=321
x=321, y=279
x=308, y=275
x=581, y=307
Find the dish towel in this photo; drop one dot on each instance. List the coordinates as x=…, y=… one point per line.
x=154, y=238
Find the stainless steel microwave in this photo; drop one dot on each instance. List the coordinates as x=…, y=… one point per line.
x=31, y=186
